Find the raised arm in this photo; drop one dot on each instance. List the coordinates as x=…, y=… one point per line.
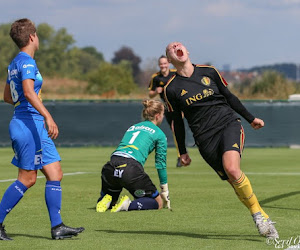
x=232, y=100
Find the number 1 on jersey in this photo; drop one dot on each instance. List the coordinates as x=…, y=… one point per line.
x=134, y=136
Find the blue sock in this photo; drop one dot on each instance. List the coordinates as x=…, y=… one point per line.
x=53, y=201
x=144, y=203
x=11, y=197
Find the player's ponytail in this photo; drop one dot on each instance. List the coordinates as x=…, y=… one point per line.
x=151, y=108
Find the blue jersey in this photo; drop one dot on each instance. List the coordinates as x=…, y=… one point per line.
x=30, y=141
x=21, y=68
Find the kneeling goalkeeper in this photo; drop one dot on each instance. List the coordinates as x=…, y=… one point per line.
x=125, y=168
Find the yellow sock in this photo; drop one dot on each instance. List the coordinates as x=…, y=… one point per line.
x=263, y=212
x=243, y=189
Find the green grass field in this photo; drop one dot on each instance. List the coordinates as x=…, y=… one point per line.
x=206, y=213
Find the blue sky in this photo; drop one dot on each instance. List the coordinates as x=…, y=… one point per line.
x=242, y=33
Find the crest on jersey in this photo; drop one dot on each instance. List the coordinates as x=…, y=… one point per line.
x=183, y=92
x=205, y=80
x=161, y=83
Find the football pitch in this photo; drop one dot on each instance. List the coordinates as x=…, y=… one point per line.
x=206, y=213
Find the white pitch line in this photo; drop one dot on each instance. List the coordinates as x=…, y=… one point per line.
x=65, y=174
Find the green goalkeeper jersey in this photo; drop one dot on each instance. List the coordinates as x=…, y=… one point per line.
x=140, y=140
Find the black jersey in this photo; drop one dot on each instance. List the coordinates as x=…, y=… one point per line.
x=206, y=102
x=158, y=80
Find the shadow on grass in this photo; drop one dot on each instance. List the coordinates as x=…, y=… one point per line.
x=191, y=235
x=279, y=197
x=38, y=237
x=29, y=236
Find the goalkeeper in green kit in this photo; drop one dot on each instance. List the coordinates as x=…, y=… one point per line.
x=125, y=168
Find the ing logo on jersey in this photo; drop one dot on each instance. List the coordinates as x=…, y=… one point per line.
x=205, y=80
x=183, y=92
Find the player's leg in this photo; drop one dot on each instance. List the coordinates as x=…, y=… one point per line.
x=244, y=192
x=110, y=187
x=147, y=203
x=227, y=166
x=53, y=192
x=27, y=159
x=144, y=203
x=232, y=144
x=142, y=189
x=151, y=198
x=53, y=196
x=13, y=194
x=239, y=181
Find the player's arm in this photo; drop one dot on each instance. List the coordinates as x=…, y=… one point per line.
x=236, y=104
x=161, y=158
x=152, y=93
x=153, y=88
x=232, y=100
x=179, y=129
x=160, y=164
x=32, y=97
x=7, y=94
x=178, y=123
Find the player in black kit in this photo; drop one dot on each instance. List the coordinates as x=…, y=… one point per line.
x=201, y=93
x=156, y=86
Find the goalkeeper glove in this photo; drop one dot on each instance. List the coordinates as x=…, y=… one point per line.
x=165, y=195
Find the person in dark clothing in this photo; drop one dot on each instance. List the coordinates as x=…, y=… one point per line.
x=212, y=112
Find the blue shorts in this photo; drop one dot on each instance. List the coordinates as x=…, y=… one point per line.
x=32, y=146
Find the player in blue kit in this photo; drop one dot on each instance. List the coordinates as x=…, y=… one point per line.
x=31, y=142
x=125, y=168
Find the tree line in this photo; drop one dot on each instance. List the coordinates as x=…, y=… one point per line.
x=59, y=57
x=269, y=84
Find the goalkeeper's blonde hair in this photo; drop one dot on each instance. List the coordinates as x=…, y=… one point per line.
x=151, y=108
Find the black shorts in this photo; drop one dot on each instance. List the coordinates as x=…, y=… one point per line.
x=230, y=138
x=121, y=172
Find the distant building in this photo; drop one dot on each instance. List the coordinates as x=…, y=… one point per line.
x=226, y=67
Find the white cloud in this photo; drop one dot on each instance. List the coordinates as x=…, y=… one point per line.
x=223, y=8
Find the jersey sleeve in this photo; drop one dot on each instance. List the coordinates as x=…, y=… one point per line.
x=161, y=158
x=232, y=100
x=179, y=129
x=152, y=84
x=28, y=69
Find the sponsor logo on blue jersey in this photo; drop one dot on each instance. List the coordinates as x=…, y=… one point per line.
x=28, y=65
